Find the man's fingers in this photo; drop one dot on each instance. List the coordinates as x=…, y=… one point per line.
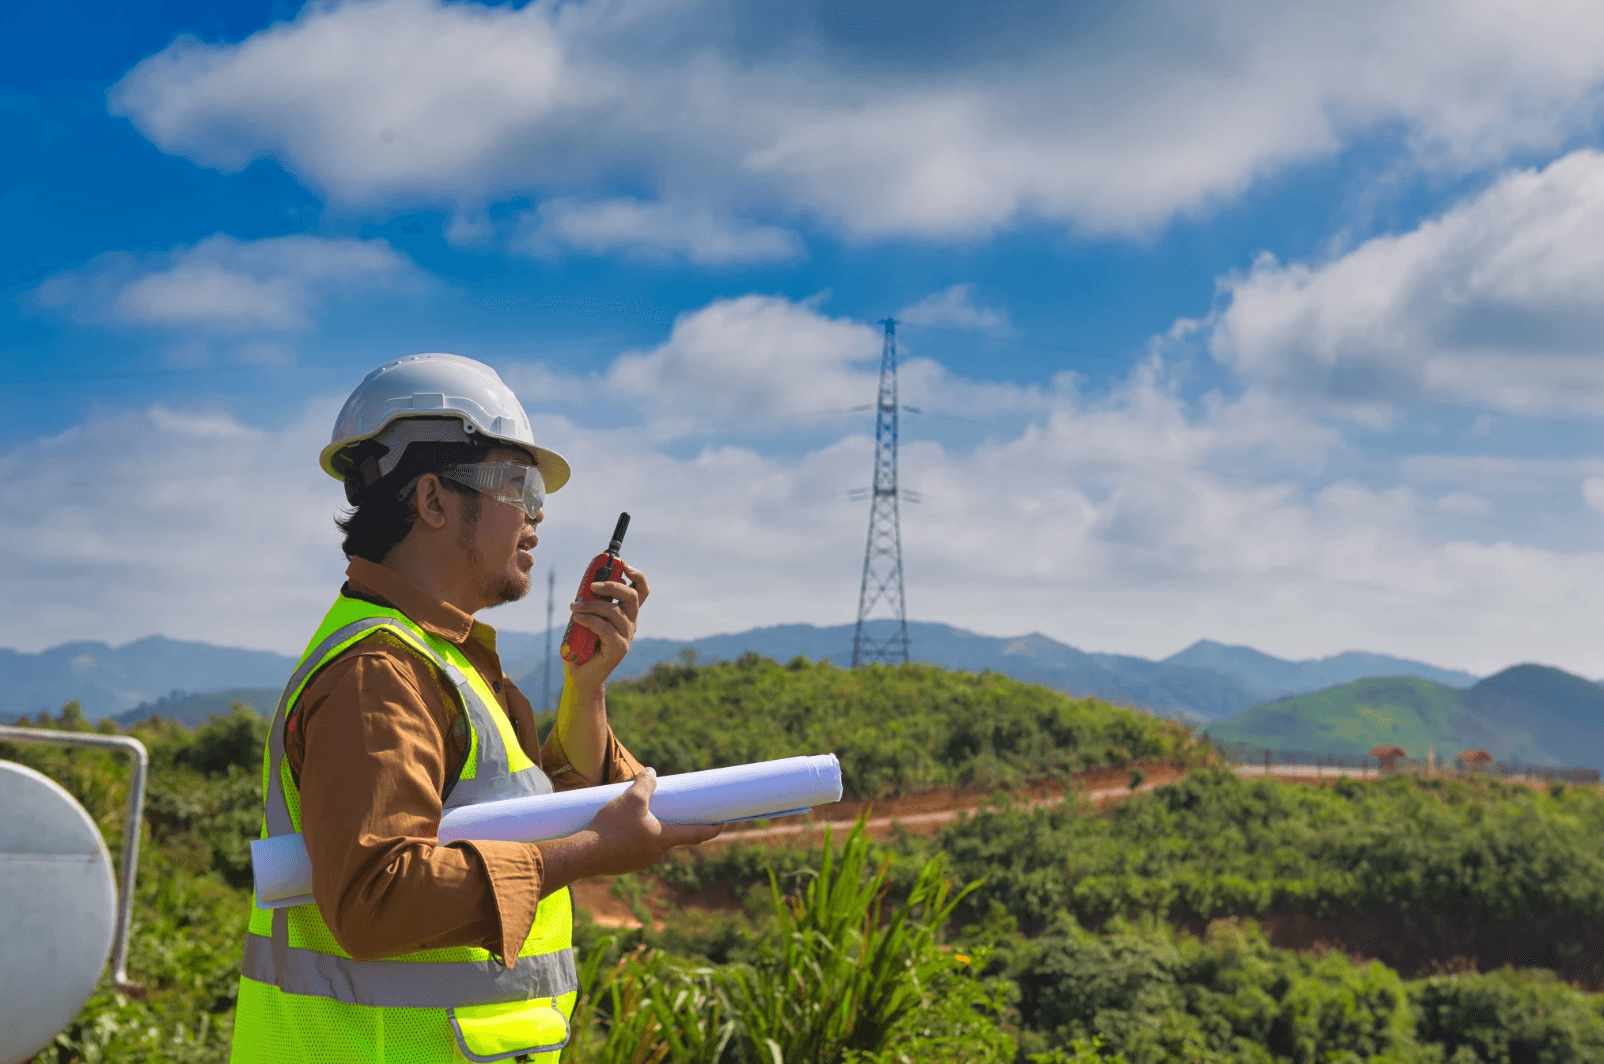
x=601, y=617
x=603, y=608
x=690, y=834
x=644, y=786
x=628, y=598
x=638, y=580
x=607, y=634
x=629, y=594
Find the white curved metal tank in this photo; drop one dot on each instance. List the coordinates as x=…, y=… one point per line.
x=57, y=909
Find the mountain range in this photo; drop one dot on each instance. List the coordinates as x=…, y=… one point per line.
x=107, y=680
x=1205, y=682
x=1531, y=714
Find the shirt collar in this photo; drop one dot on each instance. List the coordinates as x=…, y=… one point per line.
x=433, y=615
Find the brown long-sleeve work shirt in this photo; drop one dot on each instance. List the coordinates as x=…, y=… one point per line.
x=374, y=739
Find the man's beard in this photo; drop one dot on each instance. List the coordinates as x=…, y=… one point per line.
x=495, y=589
x=503, y=588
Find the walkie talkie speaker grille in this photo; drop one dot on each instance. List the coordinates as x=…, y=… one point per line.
x=57, y=910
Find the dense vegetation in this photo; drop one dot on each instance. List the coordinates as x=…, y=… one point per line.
x=896, y=730
x=1215, y=845
x=1072, y=947
x=1159, y=997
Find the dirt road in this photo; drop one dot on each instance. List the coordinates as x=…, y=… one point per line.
x=929, y=821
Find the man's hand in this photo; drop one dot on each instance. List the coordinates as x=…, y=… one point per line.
x=613, y=624
x=624, y=837
x=582, y=712
x=632, y=838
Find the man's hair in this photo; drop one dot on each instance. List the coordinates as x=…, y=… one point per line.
x=383, y=512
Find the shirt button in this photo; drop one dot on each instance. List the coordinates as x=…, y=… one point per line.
x=497, y=685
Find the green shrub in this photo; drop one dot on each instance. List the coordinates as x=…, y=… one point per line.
x=841, y=974
x=227, y=742
x=1216, y=845
x=1079, y=1052
x=1509, y=1017
x=1157, y=997
x=212, y=819
x=649, y=1007
x=841, y=978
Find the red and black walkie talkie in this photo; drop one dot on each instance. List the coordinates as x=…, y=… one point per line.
x=579, y=643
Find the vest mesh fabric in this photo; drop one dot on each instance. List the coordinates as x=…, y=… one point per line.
x=333, y=1032
x=274, y=1026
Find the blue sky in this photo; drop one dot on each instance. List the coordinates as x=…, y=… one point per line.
x=1241, y=321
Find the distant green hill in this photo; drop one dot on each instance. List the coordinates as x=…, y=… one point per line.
x=903, y=730
x=1399, y=711
x=191, y=710
x=1529, y=713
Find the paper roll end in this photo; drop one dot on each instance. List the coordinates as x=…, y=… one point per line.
x=282, y=871
x=830, y=769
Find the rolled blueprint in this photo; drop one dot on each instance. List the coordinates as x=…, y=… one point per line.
x=714, y=796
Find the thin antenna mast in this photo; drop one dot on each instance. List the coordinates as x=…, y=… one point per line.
x=551, y=604
x=882, y=554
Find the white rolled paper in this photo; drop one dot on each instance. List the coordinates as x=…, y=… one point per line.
x=790, y=785
x=282, y=870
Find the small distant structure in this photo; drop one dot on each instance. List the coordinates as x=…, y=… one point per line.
x=1473, y=760
x=1387, y=757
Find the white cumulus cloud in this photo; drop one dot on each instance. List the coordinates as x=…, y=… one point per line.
x=1593, y=493
x=930, y=122
x=202, y=527
x=756, y=356
x=1497, y=302
x=767, y=365
x=653, y=231
x=956, y=307
x=226, y=286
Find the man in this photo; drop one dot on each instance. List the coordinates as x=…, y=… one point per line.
x=399, y=709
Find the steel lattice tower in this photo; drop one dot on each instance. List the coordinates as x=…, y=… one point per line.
x=882, y=554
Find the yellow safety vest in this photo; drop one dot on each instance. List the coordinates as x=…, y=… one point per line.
x=304, y=1000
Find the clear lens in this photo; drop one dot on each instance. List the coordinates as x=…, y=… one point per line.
x=510, y=482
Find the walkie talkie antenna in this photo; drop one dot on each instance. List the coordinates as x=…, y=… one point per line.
x=619, y=529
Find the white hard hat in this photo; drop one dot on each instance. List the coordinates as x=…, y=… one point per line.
x=436, y=386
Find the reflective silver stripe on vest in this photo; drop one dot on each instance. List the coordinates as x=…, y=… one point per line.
x=493, y=779
x=493, y=776
x=495, y=788
x=409, y=984
x=277, y=808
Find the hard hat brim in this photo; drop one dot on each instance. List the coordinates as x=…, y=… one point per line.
x=554, y=468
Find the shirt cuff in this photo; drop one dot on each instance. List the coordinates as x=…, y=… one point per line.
x=618, y=764
x=516, y=871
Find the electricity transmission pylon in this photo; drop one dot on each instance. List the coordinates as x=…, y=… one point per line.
x=882, y=554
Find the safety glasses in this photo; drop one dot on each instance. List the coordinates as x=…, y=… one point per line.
x=510, y=482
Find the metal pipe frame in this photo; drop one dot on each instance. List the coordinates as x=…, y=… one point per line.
x=140, y=759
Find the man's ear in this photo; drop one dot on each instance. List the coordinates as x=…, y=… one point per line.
x=429, y=502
